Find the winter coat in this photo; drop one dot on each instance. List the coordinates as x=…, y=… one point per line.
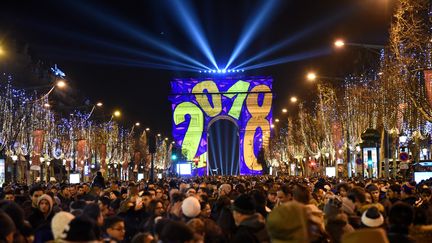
x=252, y=229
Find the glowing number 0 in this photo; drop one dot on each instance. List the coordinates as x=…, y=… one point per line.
x=238, y=89
x=194, y=131
x=203, y=101
x=257, y=120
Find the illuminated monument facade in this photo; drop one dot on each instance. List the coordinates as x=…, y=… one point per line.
x=198, y=103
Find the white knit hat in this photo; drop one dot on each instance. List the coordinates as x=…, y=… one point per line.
x=191, y=207
x=60, y=223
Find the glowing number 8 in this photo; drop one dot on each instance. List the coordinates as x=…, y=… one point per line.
x=203, y=100
x=258, y=120
x=194, y=131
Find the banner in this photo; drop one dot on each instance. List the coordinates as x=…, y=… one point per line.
x=81, y=153
x=38, y=139
x=428, y=85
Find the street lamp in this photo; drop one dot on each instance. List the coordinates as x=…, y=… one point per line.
x=339, y=43
x=293, y=99
x=276, y=120
x=116, y=114
x=311, y=76
x=99, y=104
x=147, y=129
x=284, y=110
x=2, y=52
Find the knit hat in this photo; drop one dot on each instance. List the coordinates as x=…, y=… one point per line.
x=244, y=204
x=60, y=223
x=47, y=198
x=365, y=235
x=81, y=229
x=283, y=230
x=7, y=225
x=191, y=207
x=372, y=218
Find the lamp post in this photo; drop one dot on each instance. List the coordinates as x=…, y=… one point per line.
x=14, y=159
x=340, y=43
x=42, y=160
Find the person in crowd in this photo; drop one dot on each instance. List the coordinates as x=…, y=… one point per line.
x=114, y=229
x=98, y=180
x=408, y=193
x=59, y=224
x=7, y=228
x=284, y=194
x=24, y=231
x=9, y=195
x=251, y=225
x=372, y=218
x=65, y=197
x=401, y=217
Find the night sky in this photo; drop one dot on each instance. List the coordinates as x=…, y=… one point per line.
x=67, y=33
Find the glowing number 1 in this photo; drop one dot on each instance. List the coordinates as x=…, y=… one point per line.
x=194, y=130
x=240, y=88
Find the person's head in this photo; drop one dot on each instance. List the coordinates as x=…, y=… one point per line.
x=243, y=207
x=191, y=207
x=425, y=194
x=143, y=238
x=407, y=190
x=281, y=229
x=64, y=190
x=115, y=228
x=9, y=195
x=284, y=194
x=372, y=218
x=59, y=223
x=104, y=204
x=159, y=193
x=342, y=189
x=86, y=188
x=156, y=207
x=45, y=204
x=225, y=189
x=358, y=196
x=7, y=228
x=176, y=231
x=81, y=229
x=301, y=194
x=393, y=192
x=35, y=193
x=99, y=174
x=114, y=195
x=80, y=190
x=205, y=210
x=190, y=192
x=93, y=212
x=374, y=191
x=272, y=196
x=401, y=214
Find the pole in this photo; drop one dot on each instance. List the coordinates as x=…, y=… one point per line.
x=152, y=168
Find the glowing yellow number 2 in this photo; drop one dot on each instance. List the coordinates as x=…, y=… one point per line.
x=194, y=130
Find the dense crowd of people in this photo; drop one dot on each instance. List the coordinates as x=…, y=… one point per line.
x=219, y=209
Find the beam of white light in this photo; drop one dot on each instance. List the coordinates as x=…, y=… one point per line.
x=189, y=22
x=292, y=39
x=252, y=29
x=131, y=30
x=103, y=43
x=103, y=59
x=292, y=58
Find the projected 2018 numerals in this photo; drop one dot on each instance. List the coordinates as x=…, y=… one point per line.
x=258, y=120
x=194, y=130
x=209, y=103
